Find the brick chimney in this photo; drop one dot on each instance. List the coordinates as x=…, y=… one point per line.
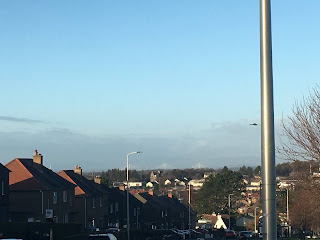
x=37, y=158
x=169, y=195
x=97, y=179
x=78, y=170
x=150, y=192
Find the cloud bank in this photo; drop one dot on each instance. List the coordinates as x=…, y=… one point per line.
x=230, y=144
x=15, y=119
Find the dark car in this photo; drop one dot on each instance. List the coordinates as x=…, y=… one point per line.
x=101, y=236
x=230, y=233
x=201, y=230
x=245, y=235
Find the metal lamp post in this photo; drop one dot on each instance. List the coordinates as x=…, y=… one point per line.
x=268, y=170
x=288, y=219
x=128, y=212
x=229, y=210
x=189, y=210
x=255, y=219
x=288, y=206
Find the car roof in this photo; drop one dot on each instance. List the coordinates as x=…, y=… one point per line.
x=110, y=235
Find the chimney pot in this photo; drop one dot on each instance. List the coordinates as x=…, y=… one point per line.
x=78, y=170
x=97, y=179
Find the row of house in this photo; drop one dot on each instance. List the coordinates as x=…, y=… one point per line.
x=30, y=192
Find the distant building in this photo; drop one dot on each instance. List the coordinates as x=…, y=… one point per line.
x=244, y=221
x=215, y=220
x=254, y=185
x=136, y=184
x=151, y=184
x=179, y=183
x=167, y=182
x=285, y=184
x=197, y=184
x=155, y=176
x=207, y=174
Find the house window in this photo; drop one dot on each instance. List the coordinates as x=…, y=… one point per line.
x=65, y=196
x=55, y=198
x=101, y=202
x=116, y=206
x=134, y=212
x=2, y=188
x=93, y=203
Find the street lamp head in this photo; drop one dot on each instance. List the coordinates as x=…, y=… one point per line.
x=133, y=153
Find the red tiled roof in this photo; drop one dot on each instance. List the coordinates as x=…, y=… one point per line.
x=84, y=186
x=27, y=175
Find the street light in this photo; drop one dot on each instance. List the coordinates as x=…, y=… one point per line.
x=189, y=209
x=288, y=219
x=128, y=222
x=288, y=205
x=255, y=219
x=229, y=209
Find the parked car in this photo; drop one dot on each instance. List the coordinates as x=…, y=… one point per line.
x=113, y=230
x=201, y=230
x=230, y=233
x=102, y=236
x=245, y=235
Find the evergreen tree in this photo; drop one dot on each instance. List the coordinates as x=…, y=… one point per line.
x=213, y=196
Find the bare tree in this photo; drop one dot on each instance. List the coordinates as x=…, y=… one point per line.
x=305, y=210
x=300, y=143
x=301, y=134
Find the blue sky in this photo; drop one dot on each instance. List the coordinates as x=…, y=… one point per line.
x=86, y=82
